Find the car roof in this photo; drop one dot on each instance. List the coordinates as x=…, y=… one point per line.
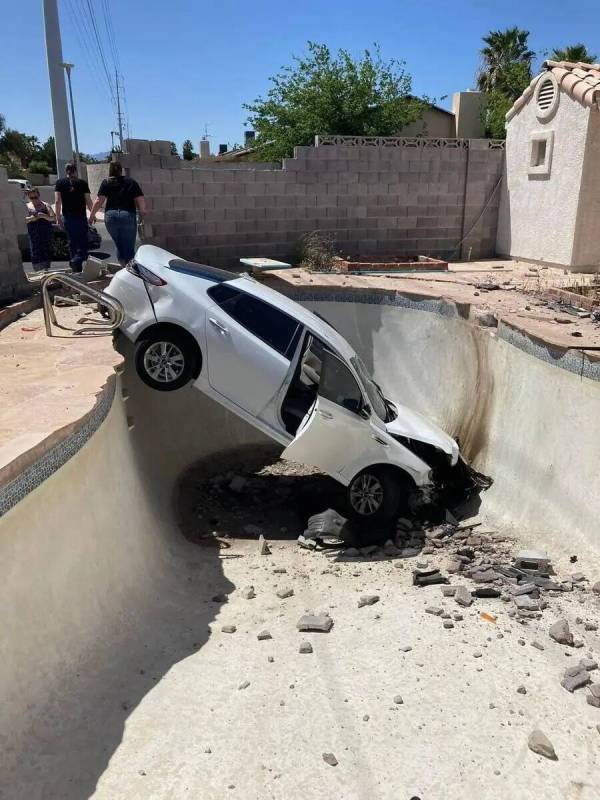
x=151, y=256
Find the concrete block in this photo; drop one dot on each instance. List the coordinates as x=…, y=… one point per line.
x=137, y=147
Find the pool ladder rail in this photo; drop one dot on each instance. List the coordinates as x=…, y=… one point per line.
x=113, y=307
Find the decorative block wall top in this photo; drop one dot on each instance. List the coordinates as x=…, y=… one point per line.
x=404, y=141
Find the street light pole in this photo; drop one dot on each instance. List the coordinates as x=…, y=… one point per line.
x=68, y=68
x=58, y=94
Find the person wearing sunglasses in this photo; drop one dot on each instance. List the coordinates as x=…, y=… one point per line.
x=40, y=218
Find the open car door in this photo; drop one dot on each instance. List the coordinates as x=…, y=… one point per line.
x=337, y=430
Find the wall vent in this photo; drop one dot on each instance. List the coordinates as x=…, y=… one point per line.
x=546, y=97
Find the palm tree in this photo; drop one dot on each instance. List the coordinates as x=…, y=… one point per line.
x=573, y=53
x=503, y=49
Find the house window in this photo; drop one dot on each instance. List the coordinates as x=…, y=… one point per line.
x=540, y=153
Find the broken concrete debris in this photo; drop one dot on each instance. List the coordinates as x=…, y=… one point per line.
x=305, y=647
x=593, y=698
x=448, y=591
x=539, y=743
x=327, y=529
x=321, y=623
x=398, y=700
x=229, y=629
x=263, y=547
x=248, y=593
x=263, y=636
x=560, y=632
x=435, y=611
x=368, y=600
x=463, y=596
x=526, y=603
x=486, y=592
x=283, y=594
x=428, y=577
x=448, y=624
x=575, y=677
x=596, y=587
x=532, y=560
x=244, y=685
x=330, y=759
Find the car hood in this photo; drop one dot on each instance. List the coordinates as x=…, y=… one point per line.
x=414, y=426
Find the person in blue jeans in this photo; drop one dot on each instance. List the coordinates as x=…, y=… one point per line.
x=123, y=199
x=72, y=197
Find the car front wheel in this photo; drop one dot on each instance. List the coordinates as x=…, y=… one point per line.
x=167, y=360
x=375, y=494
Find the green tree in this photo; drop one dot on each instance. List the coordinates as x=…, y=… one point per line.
x=188, y=150
x=573, y=53
x=321, y=93
x=18, y=146
x=502, y=50
x=499, y=101
x=39, y=167
x=47, y=153
x=174, y=149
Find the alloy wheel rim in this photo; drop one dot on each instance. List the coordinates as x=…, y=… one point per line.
x=366, y=494
x=164, y=362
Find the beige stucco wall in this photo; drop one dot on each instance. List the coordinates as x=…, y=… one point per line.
x=468, y=108
x=538, y=214
x=432, y=124
x=587, y=232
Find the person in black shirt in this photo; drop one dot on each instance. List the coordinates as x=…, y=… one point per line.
x=72, y=196
x=123, y=198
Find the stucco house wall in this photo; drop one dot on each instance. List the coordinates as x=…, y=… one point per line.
x=434, y=122
x=587, y=232
x=538, y=213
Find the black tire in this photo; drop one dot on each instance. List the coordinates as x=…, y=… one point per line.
x=181, y=363
x=376, y=494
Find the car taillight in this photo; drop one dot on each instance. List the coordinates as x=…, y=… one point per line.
x=144, y=273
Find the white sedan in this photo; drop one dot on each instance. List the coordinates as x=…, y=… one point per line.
x=284, y=370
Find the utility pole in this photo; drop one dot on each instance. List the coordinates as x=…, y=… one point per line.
x=68, y=68
x=58, y=93
x=119, y=116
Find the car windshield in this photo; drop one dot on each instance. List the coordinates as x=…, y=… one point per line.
x=376, y=398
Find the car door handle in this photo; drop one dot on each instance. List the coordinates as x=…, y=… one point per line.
x=379, y=440
x=326, y=414
x=221, y=328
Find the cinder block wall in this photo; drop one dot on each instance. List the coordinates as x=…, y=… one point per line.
x=13, y=283
x=419, y=198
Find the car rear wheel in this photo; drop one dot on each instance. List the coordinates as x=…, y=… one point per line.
x=167, y=360
x=375, y=494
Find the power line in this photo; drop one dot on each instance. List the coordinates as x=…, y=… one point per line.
x=87, y=49
x=92, y=19
x=110, y=33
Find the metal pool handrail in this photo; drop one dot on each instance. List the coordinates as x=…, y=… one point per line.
x=115, y=309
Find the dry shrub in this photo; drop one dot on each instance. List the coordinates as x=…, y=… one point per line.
x=316, y=251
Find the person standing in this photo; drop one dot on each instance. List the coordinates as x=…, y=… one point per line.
x=39, y=221
x=123, y=198
x=72, y=197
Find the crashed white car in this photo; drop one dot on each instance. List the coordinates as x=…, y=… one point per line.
x=284, y=370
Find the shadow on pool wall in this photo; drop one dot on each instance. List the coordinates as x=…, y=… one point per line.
x=102, y=595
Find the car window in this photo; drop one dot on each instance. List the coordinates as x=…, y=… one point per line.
x=338, y=384
x=272, y=326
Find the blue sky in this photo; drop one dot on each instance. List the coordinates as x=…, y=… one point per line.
x=187, y=64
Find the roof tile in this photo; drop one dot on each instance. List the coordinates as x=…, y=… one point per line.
x=580, y=81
